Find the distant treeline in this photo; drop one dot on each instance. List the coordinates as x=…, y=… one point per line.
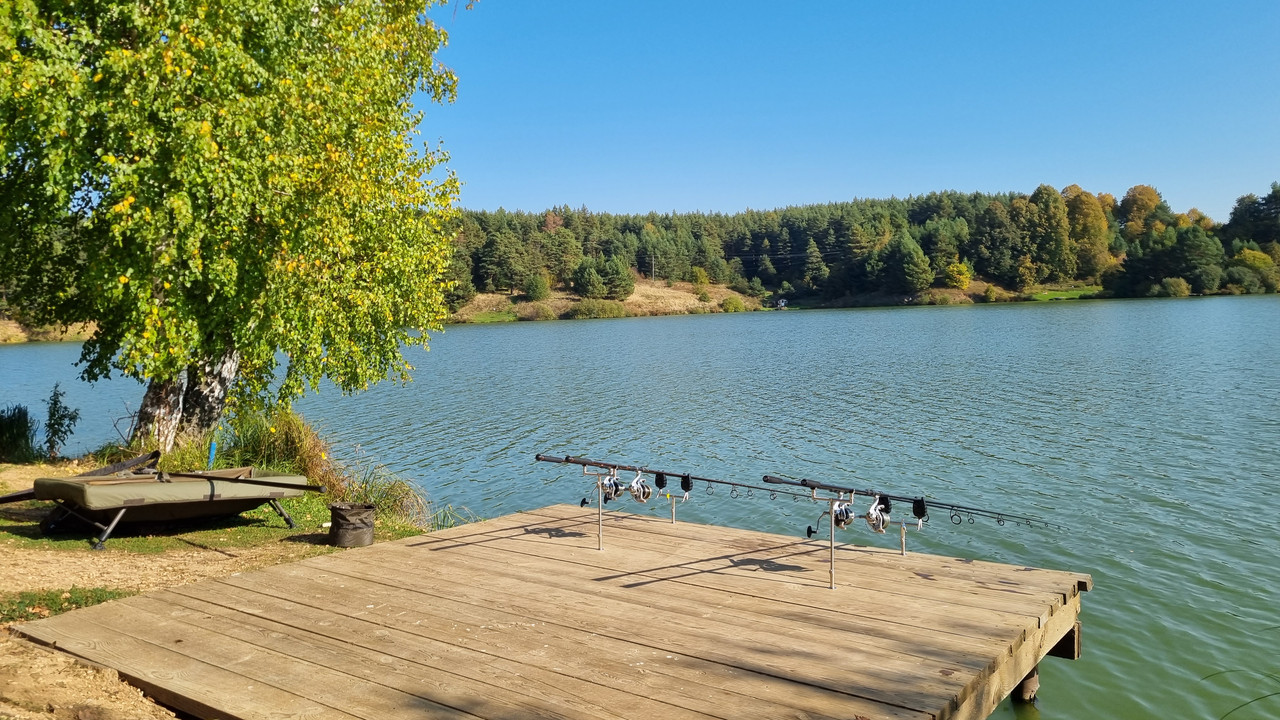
x=1136, y=246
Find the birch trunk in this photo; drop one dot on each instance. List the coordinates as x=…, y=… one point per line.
x=206, y=395
x=160, y=414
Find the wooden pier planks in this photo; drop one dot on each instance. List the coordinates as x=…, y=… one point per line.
x=522, y=616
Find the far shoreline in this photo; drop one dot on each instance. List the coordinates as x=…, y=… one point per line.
x=651, y=299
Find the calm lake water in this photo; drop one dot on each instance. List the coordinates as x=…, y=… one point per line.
x=1148, y=428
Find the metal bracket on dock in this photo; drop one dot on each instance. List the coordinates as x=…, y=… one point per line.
x=839, y=515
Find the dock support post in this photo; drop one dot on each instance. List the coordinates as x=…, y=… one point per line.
x=1026, y=690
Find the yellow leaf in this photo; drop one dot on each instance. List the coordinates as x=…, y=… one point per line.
x=124, y=279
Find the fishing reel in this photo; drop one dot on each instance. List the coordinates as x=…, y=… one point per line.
x=640, y=492
x=878, y=514
x=610, y=488
x=842, y=514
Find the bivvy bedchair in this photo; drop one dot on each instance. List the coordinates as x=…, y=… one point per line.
x=128, y=493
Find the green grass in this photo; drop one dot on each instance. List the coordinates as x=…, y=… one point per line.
x=24, y=606
x=1075, y=293
x=495, y=316
x=20, y=528
x=281, y=441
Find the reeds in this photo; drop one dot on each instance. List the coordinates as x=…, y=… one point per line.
x=17, y=435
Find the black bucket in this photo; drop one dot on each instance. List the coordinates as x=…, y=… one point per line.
x=350, y=525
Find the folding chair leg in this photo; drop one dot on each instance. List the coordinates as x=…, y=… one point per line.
x=102, y=539
x=275, y=505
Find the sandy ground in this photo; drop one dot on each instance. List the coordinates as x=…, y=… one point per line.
x=41, y=684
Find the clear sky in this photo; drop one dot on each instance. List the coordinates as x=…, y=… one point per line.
x=628, y=107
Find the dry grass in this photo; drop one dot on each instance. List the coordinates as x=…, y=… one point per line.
x=651, y=297
x=12, y=331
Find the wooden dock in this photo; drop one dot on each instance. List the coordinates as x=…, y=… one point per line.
x=522, y=616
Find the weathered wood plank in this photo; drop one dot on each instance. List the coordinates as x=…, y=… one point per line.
x=938, y=612
x=1013, y=669
x=848, y=667
x=342, y=643
x=522, y=616
x=173, y=678
x=976, y=572
x=664, y=681
x=801, y=559
x=322, y=685
x=816, y=620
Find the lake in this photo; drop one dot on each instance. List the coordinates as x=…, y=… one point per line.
x=1148, y=428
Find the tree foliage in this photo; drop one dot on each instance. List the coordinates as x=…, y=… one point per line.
x=226, y=181
x=1011, y=239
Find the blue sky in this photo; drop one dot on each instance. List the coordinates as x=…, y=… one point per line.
x=721, y=106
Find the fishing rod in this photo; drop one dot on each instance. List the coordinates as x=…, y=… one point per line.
x=840, y=510
x=919, y=505
x=840, y=513
x=610, y=487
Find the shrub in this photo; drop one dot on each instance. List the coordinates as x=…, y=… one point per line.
x=703, y=296
x=699, y=275
x=59, y=422
x=1240, y=279
x=536, y=287
x=959, y=276
x=732, y=304
x=1175, y=287
x=990, y=295
x=592, y=308
x=17, y=435
x=536, y=311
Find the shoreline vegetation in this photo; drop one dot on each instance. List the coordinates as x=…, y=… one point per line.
x=653, y=298
x=939, y=248
x=650, y=298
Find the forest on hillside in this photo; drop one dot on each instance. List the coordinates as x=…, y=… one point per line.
x=1134, y=246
